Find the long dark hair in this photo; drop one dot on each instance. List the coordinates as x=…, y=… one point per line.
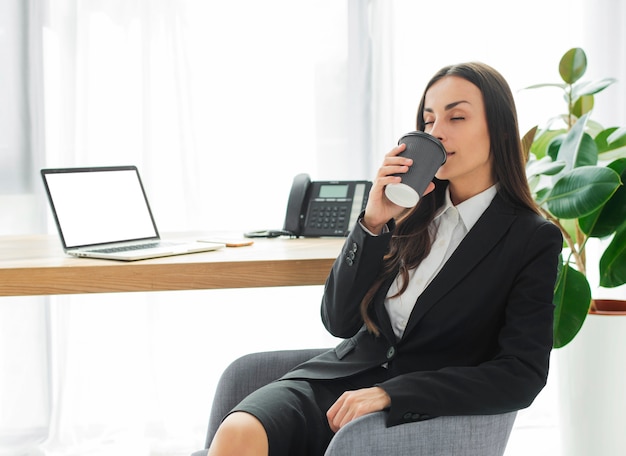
x=411, y=241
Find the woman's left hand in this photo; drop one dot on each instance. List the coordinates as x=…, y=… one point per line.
x=353, y=404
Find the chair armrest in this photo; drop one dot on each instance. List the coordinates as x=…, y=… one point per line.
x=480, y=435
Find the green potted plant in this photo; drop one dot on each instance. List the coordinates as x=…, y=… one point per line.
x=576, y=169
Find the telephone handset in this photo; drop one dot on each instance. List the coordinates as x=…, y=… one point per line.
x=294, y=217
x=324, y=208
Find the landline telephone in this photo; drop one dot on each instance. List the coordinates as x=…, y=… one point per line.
x=321, y=208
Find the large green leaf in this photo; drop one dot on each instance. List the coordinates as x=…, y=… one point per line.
x=617, y=137
x=583, y=105
x=543, y=142
x=587, y=153
x=544, y=166
x=572, y=298
x=527, y=141
x=574, y=150
x=613, y=261
x=593, y=128
x=573, y=65
x=612, y=215
x=541, y=194
x=612, y=154
x=611, y=139
x=591, y=87
x=547, y=84
x=554, y=147
x=581, y=191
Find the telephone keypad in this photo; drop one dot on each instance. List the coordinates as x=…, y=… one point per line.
x=324, y=217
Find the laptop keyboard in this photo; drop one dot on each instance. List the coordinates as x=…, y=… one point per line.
x=127, y=248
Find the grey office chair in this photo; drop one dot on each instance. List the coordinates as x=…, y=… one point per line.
x=484, y=435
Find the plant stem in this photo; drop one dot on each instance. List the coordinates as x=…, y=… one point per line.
x=571, y=244
x=568, y=91
x=581, y=240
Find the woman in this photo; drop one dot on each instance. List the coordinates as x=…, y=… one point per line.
x=446, y=308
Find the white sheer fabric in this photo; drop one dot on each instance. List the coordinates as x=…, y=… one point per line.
x=220, y=104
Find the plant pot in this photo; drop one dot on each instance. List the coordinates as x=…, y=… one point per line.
x=592, y=379
x=609, y=307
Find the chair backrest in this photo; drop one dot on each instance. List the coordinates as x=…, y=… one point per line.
x=249, y=373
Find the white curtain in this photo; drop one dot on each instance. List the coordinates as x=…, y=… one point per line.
x=605, y=41
x=220, y=104
x=24, y=354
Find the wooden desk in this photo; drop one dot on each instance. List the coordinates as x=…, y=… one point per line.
x=36, y=265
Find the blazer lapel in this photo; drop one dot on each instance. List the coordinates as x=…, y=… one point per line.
x=381, y=312
x=478, y=242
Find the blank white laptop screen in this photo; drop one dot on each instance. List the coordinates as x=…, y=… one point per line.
x=98, y=207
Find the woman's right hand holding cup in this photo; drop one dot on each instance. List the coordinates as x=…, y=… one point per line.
x=380, y=209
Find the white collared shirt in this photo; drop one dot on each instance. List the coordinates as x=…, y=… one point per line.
x=449, y=227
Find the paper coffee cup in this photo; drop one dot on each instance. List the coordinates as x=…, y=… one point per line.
x=428, y=155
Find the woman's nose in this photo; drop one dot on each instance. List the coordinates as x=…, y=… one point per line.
x=437, y=131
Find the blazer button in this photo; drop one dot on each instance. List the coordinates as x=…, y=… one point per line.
x=391, y=352
x=407, y=416
x=355, y=247
x=350, y=257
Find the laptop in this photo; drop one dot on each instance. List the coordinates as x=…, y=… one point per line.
x=103, y=212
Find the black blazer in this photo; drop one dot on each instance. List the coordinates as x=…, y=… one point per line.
x=479, y=338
